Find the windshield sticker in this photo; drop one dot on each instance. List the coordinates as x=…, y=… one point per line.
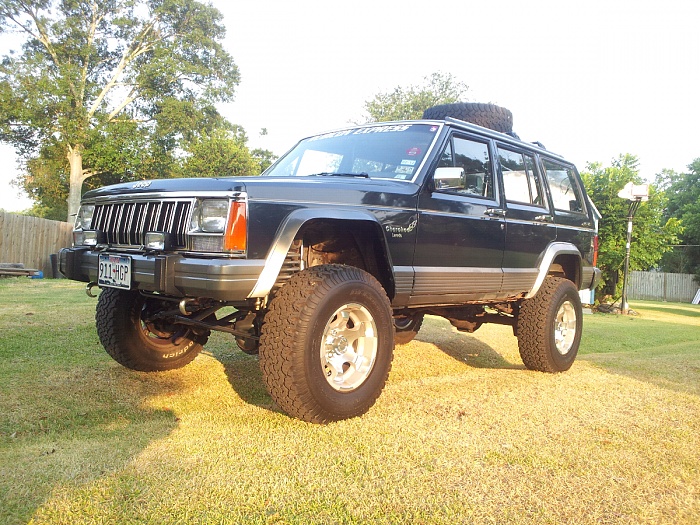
x=404, y=170
x=413, y=152
x=408, y=162
x=434, y=128
x=362, y=131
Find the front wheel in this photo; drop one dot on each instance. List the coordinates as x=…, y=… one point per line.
x=133, y=336
x=327, y=343
x=549, y=326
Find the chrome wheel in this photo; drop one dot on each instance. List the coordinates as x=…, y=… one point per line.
x=349, y=347
x=565, y=328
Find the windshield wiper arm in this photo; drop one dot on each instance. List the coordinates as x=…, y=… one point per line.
x=338, y=174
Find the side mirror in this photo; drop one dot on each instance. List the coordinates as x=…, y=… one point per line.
x=448, y=177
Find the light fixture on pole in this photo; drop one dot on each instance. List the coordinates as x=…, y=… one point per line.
x=636, y=194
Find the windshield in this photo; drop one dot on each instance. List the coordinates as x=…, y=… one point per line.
x=393, y=151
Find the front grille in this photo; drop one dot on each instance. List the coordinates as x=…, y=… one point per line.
x=125, y=223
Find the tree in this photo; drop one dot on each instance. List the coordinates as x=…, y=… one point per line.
x=409, y=103
x=683, y=193
x=652, y=234
x=113, y=85
x=264, y=158
x=220, y=154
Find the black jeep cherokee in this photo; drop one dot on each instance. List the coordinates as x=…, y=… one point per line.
x=337, y=252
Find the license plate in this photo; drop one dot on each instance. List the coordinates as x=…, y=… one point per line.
x=114, y=271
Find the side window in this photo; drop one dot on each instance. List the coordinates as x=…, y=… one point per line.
x=465, y=168
x=563, y=185
x=535, y=181
x=520, y=180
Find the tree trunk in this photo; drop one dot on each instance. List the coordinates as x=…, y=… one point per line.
x=75, y=159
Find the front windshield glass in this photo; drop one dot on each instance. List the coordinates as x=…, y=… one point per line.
x=393, y=151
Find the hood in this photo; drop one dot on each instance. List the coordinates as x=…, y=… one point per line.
x=332, y=189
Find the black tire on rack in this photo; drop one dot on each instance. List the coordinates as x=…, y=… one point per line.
x=488, y=116
x=134, y=341
x=327, y=342
x=549, y=326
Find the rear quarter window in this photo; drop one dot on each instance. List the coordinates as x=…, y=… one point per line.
x=563, y=186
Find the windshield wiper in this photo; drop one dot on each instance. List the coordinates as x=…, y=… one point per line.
x=338, y=174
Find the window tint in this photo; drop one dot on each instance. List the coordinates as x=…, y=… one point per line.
x=566, y=194
x=465, y=167
x=520, y=178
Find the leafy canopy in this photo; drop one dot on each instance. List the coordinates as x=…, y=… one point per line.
x=113, y=88
x=409, y=103
x=652, y=233
x=683, y=193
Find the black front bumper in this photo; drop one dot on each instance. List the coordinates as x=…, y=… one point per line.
x=173, y=274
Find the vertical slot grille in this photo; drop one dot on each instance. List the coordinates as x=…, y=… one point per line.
x=125, y=223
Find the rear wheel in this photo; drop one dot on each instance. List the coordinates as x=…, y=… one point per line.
x=327, y=343
x=131, y=337
x=406, y=328
x=549, y=326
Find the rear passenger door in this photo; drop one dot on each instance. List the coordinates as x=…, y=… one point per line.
x=461, y=226
x=529, y=222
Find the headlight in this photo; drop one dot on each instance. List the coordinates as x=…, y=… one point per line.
x=219, y=225
x=209, y=216
x=83, y=221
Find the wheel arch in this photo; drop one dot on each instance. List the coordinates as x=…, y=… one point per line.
x=318, y=225
x=559, y=259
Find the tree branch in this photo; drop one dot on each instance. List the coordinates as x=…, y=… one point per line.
x=139, y=47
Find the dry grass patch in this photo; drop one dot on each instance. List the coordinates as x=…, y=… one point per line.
x=462, y=434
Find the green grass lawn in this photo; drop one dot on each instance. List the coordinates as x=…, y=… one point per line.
x=462, y=433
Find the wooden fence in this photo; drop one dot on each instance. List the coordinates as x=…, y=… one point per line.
x=658, y=286
x=31, y=241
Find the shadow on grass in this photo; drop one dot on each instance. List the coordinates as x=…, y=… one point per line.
x=684, y=312
x=244, y=375
x=68, y=428
x=463, y=347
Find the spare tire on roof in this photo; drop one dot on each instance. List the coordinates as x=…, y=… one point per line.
x=486, y=115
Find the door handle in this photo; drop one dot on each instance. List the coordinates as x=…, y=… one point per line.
x=544, y=218
x=495, y=212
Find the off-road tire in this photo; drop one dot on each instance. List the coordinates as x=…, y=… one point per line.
x=486, y=115
x=406, y=328
x=295, y=338
x=545, y=340
x=130, y=341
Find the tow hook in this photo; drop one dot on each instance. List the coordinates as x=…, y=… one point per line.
x=88, y=289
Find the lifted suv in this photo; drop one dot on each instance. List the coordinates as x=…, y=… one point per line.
x=337, y=252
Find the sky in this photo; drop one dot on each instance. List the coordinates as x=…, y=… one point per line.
x=590, y=80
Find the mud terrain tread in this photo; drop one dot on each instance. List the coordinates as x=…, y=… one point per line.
x=534, y=324
x=488, y=116
x=288, y=319
x=115, y=330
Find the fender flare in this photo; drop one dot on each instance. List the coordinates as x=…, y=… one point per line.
x=285, y=237
x=554, y=250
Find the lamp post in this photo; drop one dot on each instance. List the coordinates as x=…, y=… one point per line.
x=636, y=194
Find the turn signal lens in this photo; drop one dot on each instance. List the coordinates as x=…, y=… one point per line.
x=236, y=236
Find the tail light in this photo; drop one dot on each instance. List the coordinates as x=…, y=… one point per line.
x=594, y=245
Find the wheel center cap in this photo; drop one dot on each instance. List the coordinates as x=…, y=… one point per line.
x=337, y=344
